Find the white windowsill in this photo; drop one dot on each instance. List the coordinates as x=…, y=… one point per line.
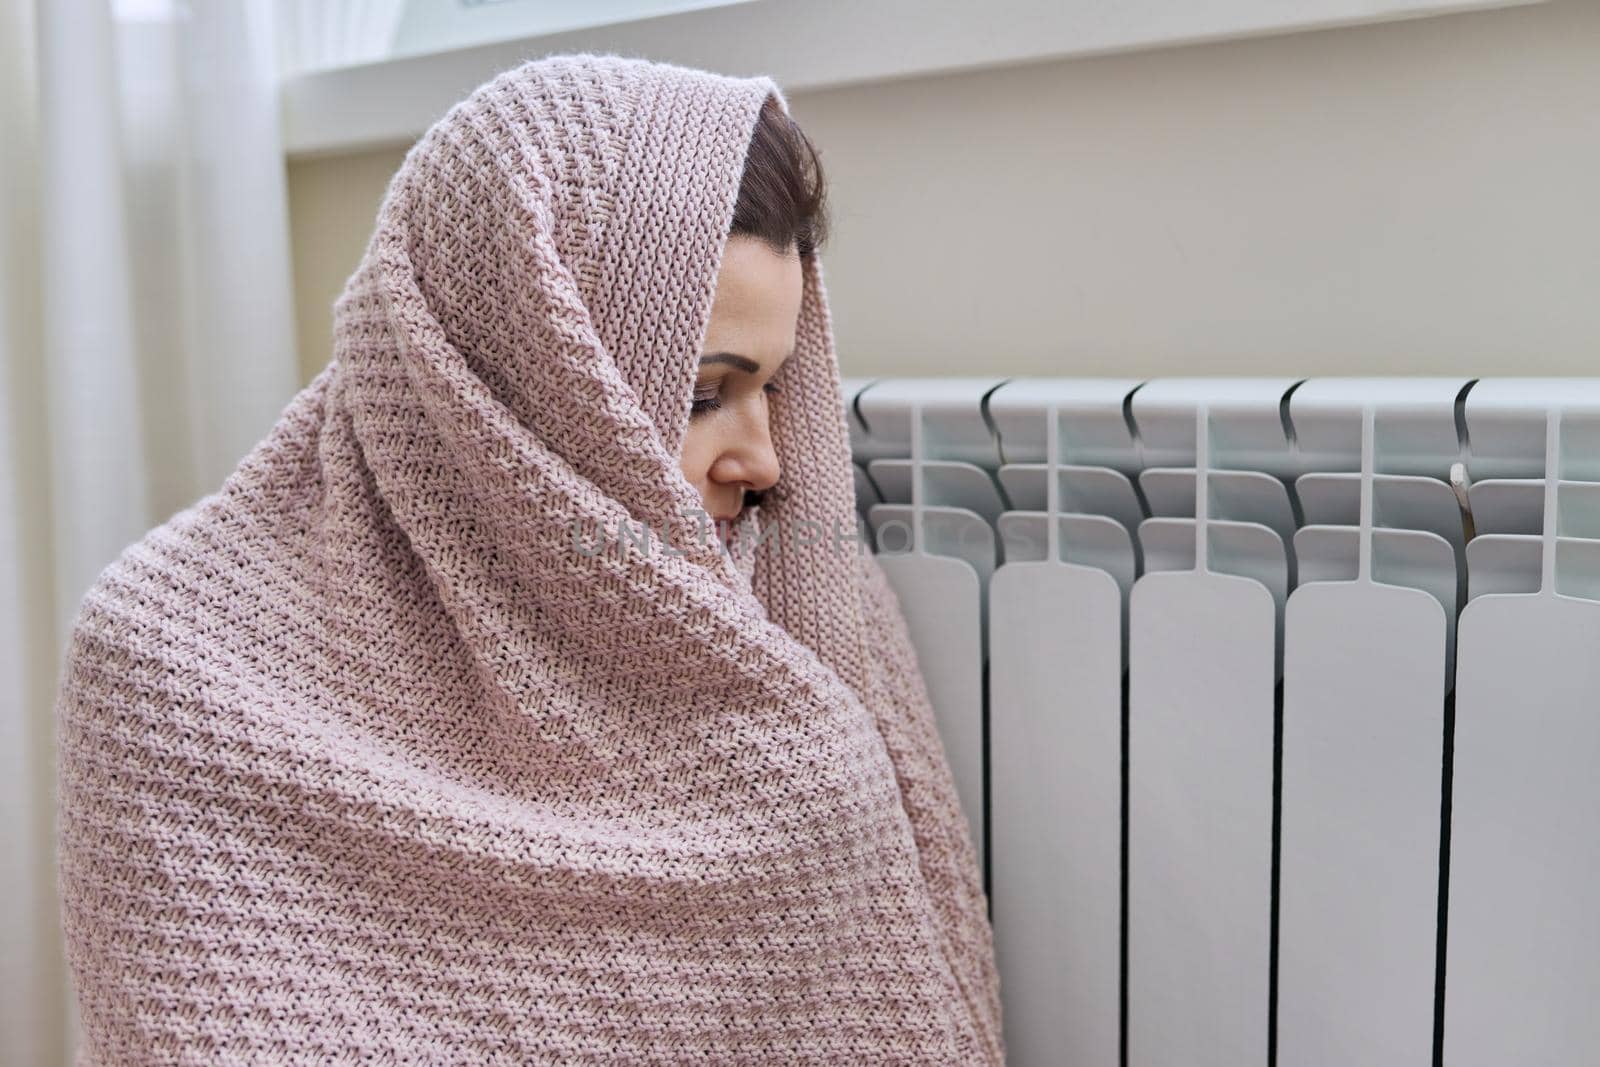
x=808, y=44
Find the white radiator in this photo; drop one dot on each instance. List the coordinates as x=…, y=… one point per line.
x=1281, y=742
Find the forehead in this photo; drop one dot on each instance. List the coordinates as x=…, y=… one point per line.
x=758, y=290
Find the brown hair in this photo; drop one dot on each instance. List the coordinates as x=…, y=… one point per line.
x=782, y=194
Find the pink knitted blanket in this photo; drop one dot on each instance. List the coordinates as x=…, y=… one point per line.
x=403, y=746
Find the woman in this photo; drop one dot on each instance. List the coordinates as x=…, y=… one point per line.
x=406, y=746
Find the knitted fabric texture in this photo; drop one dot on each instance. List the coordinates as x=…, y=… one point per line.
x=403, y=746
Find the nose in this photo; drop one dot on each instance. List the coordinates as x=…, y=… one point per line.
x=748, y=459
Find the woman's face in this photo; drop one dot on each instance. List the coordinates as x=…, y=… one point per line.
x=727, y=448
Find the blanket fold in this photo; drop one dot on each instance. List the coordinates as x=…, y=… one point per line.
x=405, y=746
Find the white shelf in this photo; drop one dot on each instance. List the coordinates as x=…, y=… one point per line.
x=806, y=45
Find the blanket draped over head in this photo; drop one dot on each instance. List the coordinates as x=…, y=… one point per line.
x=397, y=749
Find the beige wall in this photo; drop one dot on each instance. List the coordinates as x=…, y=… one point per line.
x=1410, y=198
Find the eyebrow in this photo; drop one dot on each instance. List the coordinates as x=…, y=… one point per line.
x=744, y=363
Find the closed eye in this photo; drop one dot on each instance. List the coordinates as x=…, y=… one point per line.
x=713, y=401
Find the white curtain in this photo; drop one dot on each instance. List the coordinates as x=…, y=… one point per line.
x=146, y=343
